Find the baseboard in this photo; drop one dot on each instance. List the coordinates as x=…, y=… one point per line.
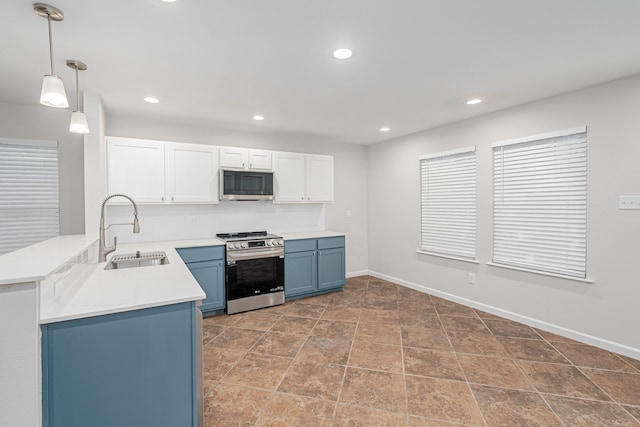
x=358, y=273
x=536, y=323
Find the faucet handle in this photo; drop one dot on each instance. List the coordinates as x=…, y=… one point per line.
x=115, y=242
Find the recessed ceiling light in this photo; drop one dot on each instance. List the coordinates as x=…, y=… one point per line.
x=474, y=101
x=168, y=1
x=342, y=53
x=385, y=129
x=258, y=117
x=151, y=100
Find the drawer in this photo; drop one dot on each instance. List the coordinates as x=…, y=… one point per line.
x=299, y=245
x=201, y=253
x=331, y=242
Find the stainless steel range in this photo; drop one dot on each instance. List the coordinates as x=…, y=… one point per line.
x=255, y=270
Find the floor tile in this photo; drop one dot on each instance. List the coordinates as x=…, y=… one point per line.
x=380, y=357
x=589, y=413
x=493, y=371
x=463, y=324
x=633, y=410
x=325, y=350
x=552, y=338
x=621, y=386
x=425, y=422
x=334, y=329
x=488, y=316
x=633, y=362
x=476, y=343
x=216, y=362
x=236, y=339
x=592, y=357
x=218, y=320
x=258, y=370
x=359, y=282
x=420, y=318
x=378, y=303
x=230, y=404
x=210, y=331
x=304, y=310
x=294, y=325
x=505, y=407
x=354, y=416
x=450, y=308
x=313, y=380
x=507, y=328
x=535, y=350
x=432, y=363
x=418, y=336
x=377, y=390
x=342, y=313
x=255, y=320
x=417, y=305
x=290, y=410
x=565, y=380
x=380, y=316
x=443, y=400
x=404, y=293
x=279, y=344
x=384, y=293
x=380, y=333
x=348, y=299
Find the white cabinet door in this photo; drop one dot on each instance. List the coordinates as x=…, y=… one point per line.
x=260, y=159
x=290, y=177
x=234, y=158
x=319, y=178
x=135, y=167
x=192, y=173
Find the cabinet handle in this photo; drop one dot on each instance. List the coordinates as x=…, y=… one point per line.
x=302, y=198
x=313, y=254
x=243, y=165
x=172, y=198
x=319, y=253
x=162, y=198
x=308, y=198
x=250, y=165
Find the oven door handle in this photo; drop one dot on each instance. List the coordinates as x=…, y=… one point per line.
x=262, y=253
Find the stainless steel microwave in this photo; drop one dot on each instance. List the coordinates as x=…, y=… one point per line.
x=246, y=185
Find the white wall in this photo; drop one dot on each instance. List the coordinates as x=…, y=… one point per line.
x=350, y=180
x=606, y=312
x=39, y=122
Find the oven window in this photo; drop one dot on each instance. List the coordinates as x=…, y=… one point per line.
x=254, y=277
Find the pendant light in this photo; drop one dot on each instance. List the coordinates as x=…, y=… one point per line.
x=78, y=119
x=52, y=94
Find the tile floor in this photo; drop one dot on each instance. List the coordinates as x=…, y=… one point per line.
x=378, y=354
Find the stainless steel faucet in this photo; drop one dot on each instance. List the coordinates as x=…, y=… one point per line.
x=104, y=250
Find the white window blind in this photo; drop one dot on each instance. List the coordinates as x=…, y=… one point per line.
x=449, y=203
x=540, y=202
x=29, y=207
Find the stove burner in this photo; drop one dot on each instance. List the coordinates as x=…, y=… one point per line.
x=242, y=235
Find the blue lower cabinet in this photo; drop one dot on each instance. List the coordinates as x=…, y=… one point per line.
x=136, y=368
x=313, y=266
x=206, y=264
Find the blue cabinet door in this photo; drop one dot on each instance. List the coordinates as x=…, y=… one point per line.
x=127, y=369
x=210, y=277
x=331, y=268
x=300, y=273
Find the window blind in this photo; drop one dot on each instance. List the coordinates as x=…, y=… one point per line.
x=29, y=207
x=448, y=203
x=540, y=202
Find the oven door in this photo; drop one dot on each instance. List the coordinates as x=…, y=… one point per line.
x=253, y=277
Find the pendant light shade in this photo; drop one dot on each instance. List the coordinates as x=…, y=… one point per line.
x=78, y=119
x=78, y=123
x=52, y=94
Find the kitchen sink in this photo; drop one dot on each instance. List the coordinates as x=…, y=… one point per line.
x=138, y=259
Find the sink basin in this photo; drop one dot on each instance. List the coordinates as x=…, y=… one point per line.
x=138, y=259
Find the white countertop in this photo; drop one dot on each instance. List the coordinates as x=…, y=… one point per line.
x=310, y=235
x=34, y=263
x=93, y=291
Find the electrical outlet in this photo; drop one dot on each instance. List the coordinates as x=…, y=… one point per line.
x=629, y=202
x=472, y=278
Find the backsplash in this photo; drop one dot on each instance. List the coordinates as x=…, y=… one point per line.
x=177, y=222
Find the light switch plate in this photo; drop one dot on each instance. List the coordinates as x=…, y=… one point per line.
x=629, y=202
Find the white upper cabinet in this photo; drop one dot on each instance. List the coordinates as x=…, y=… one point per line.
x=162, y=172
x=319, y=178
x=135, y=167
x=303, y=178
x=192, y=173
x=243, y=158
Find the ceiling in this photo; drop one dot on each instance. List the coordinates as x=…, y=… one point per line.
x=215, y=63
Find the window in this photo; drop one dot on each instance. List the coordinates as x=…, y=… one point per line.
x=449, y=203
x=29, y=208
x=540, y=202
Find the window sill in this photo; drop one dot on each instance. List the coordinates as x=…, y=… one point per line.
x=472, y=261
x=526, y=270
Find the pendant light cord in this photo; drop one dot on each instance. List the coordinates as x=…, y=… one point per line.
x=53, y=73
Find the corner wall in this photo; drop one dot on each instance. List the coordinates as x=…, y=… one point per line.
x=605, y=313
